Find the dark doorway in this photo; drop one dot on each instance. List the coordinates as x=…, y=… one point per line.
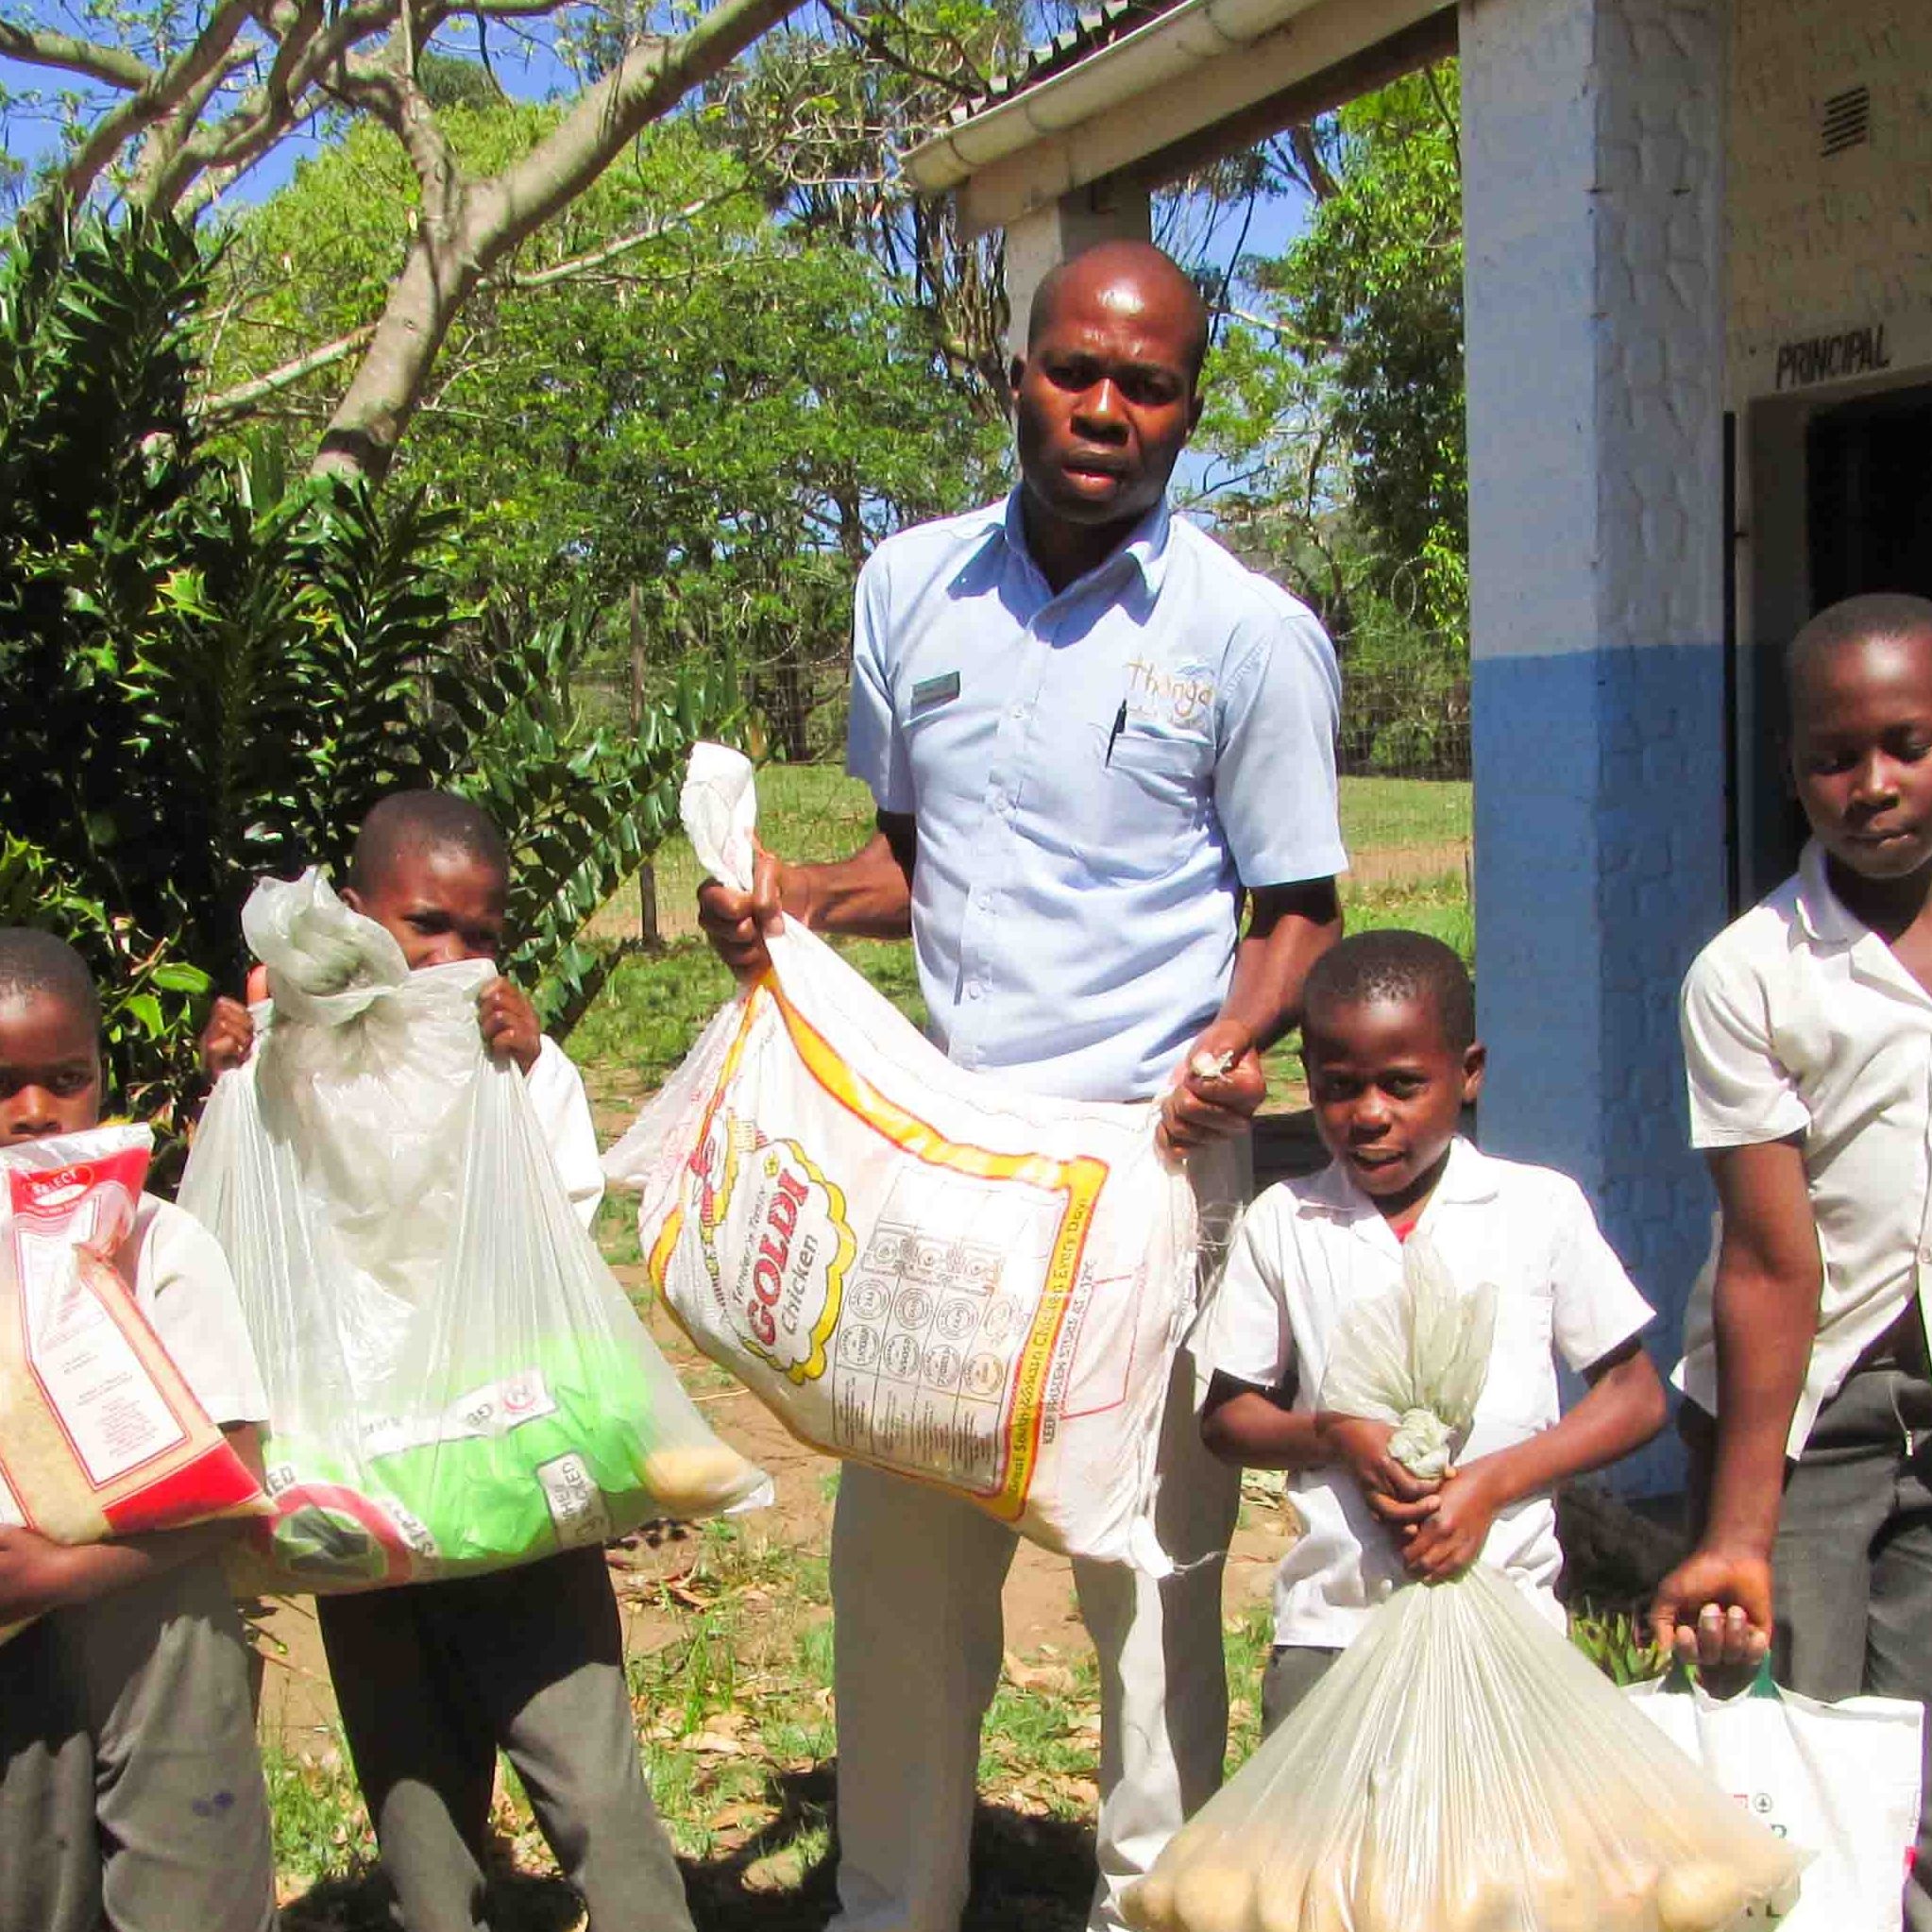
x=1868, y=477
x=1866, y=499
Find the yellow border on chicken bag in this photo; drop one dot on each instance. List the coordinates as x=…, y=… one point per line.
x=1079, y=1179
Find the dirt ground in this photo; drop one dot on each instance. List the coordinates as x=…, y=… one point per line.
x=299, y=1708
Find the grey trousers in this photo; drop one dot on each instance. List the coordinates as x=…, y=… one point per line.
x=432, y=1678
x=130, y=1789
x=1853, y=1564
x=1292, y=1671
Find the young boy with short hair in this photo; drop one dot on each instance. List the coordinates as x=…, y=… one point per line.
x=1807, y=1041
x=1388, y=1040
x=130, y=1789
x=432, y=1678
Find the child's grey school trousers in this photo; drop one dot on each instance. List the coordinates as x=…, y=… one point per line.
x=130, y=1789
x=432, y=1678
x=1852, y=1567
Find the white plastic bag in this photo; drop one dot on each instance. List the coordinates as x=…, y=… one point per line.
x=1461, y=1767
x=913, y=1265
x=455, y=1381
x=1839, y=1780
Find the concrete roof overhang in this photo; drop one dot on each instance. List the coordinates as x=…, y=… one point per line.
x=1196, y=83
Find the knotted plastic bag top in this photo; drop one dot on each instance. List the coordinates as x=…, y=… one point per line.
x=719, y=806
x=370, y=1071
x=1416, y=1357
x=326, y=963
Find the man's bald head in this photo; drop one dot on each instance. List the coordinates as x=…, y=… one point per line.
x=1134, y=275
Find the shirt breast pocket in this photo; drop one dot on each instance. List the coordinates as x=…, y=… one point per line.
x=1520, y=1392
x=1146, y=793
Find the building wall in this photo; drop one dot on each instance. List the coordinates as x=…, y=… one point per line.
x=1593, y=223
x=1830, y=296
x=1822, y=245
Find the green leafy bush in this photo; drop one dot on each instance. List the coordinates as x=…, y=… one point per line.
x=209, y=673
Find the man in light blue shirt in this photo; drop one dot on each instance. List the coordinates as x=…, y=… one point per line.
x=1091, y=735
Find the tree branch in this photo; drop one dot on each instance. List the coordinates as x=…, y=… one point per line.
x=157, y=97
x=287, y=97
x=611, y=251
x=489, y=218
x=37, y=47
x=1308, y=157
x=1451, y=124
x=651, y=78
x=238, y=401
x=960, y=87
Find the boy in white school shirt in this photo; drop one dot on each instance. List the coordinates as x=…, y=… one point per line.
x=1807, y=1040
x=1388, y=1039
x=432, y=1678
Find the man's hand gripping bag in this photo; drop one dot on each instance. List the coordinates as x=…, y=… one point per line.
x=913, y=1265
x=456, y=1382
x=101, y=1436
x=1463, y=1767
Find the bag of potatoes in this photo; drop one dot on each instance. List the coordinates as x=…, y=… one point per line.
x=1463, y=1767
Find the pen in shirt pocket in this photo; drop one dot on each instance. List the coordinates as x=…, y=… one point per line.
x=1113, y=736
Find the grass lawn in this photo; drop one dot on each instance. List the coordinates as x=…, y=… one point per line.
x=650, y=1010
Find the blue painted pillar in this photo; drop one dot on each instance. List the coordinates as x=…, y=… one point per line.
x=1594, y=234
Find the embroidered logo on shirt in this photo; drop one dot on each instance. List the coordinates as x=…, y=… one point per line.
x=940, y=690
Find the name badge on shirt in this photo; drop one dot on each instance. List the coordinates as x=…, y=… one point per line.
x=940, y=690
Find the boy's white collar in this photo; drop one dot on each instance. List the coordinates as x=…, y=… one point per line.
x=1469, y=1177
x=1820, y=911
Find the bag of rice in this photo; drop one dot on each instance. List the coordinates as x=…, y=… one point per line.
x=456, y=1382
x=101, y=1436
x=913, y=1265
x=1462, y=1768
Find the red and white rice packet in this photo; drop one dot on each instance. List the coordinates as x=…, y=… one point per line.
x=100, y=1435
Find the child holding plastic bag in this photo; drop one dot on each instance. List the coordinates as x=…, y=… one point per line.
x=1389, y=1042
x=432, y=1678
x=1807, y=1380
x=130, y=1791
x=1461, y=1767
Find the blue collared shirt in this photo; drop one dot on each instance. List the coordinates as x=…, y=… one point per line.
x=1094, y=776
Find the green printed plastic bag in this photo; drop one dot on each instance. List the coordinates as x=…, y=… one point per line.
x=456, y=1382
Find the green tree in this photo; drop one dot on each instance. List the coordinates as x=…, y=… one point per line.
x=208, y=676
x=711, y=429
x=1341, y=406
x=164, y=104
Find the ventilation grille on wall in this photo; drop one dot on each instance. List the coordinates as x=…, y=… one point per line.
x=1846, y=121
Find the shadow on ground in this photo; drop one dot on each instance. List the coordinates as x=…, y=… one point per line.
x=1029, y=1874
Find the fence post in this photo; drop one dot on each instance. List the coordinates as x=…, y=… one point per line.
x=648, y=929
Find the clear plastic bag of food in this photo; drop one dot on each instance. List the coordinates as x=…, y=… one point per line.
x=1462, y=1768
x=456, y=1382
x=914, y=1266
